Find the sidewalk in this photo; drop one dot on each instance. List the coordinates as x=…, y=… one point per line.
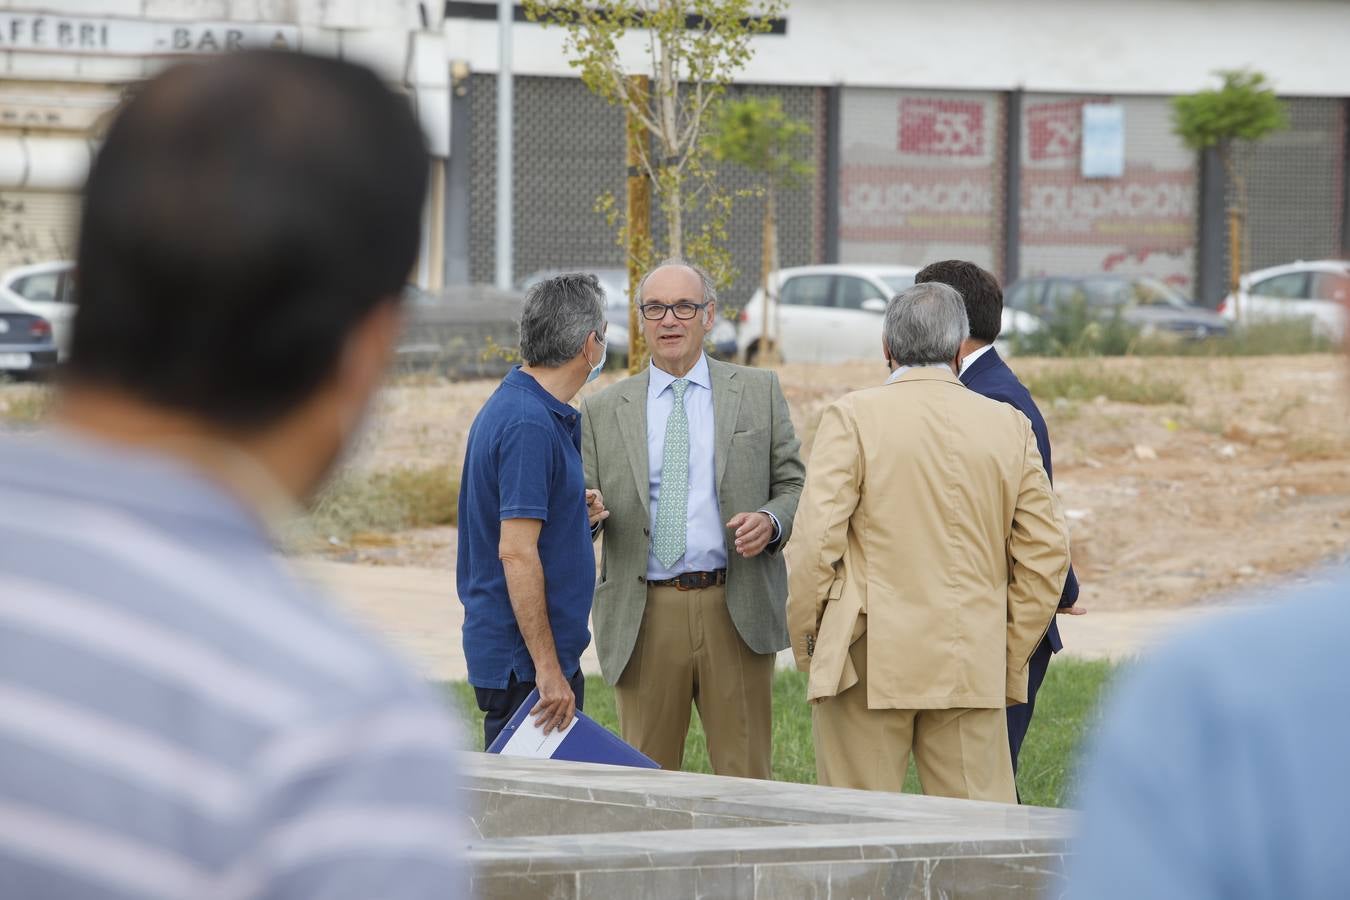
x=416, y=610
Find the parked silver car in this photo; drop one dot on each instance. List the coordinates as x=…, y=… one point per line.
x=832, y=312
x=1316, y=290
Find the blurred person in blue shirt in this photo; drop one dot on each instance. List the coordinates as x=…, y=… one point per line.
x=182, y=716
x=1222, y=768
x=526, y=568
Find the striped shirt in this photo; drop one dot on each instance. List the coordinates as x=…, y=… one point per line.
x=179, y=718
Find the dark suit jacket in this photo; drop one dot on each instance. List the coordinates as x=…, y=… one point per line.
x=989, y=375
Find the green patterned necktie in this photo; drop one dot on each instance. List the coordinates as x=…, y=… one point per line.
x=673, y=501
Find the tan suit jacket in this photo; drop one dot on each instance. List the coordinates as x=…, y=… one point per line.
x=927, y=521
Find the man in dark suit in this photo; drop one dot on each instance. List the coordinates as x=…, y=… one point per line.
x=985, y=372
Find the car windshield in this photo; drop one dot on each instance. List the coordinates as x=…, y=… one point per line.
x=898, y=283
x=1111, y=292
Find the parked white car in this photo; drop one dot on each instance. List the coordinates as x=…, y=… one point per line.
x=44, y=289
x=1317, y=290
x=832, y=313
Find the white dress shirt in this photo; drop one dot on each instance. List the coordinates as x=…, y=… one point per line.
x=895, y=375
x=974, y=355
x=705, y=535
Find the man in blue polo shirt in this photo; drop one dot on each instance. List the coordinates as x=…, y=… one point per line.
x=526, y=571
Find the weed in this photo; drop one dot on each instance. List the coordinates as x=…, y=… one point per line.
x=1312, y=448
x=392, y=500
x=26, y=405
x=1087, y=382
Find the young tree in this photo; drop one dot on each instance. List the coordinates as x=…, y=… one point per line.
x=760, y=136
x=694, y=48
x=1244, y=108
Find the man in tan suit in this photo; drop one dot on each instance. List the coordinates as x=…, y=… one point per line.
x=698, y=464
x=928, y=536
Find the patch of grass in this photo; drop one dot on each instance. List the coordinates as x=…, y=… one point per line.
x=1288, y=337
x=1078, y=330
x=1077, y=333
x=392, y=500
x=1065, y=711
x=1315, y=448
x=26, y=405
x=1087, y=382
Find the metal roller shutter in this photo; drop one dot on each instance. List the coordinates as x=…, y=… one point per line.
x=36, y=226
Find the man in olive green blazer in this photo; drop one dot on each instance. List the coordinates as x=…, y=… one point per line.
x=690, y=606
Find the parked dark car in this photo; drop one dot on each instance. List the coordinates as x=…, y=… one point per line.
x=1151, y=306
x=27, y=348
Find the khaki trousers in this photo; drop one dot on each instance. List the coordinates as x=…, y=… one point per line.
x=958, y=752
x=688, y=650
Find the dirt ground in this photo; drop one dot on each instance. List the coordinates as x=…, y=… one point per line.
x=1239, y=486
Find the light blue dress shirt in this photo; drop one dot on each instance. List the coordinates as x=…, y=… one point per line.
x=705, y=541
x=1222, y=771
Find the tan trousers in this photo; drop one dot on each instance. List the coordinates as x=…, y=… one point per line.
x=958, y=752
x=688, y=650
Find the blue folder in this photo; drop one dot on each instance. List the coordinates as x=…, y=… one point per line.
x=586, y=740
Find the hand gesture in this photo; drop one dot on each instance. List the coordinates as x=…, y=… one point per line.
x=752, y=532
x=595, y=507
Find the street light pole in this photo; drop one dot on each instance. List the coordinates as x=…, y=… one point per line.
x=505, y=10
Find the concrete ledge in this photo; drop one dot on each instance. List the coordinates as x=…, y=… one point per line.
x=563, y=830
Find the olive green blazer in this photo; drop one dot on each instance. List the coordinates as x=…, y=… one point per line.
x=757, y=466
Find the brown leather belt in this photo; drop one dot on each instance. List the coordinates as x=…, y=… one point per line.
x=693, y=581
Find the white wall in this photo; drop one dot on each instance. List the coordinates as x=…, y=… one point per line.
x=1114, y=46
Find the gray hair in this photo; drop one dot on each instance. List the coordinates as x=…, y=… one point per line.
x=926, y=324
x=709, y=290
x=559, y=313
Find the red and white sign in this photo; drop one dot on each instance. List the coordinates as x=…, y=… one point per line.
x=903, y=203
x=941, y=127
x=1054, y=132
x=1142, y=209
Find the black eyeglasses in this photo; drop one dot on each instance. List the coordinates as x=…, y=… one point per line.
x=685, y=309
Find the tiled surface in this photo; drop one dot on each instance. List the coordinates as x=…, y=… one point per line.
x=553, y=829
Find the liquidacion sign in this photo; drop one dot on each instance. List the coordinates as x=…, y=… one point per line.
x=42, y=33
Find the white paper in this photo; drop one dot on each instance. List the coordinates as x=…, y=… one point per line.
x=529, y=740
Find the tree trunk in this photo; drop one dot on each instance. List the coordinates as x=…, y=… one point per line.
x=768, y=345
x=1237, y=203
x=674, y=219
x=639, y=222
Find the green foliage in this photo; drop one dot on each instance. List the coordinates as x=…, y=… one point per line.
x=1075, y=333
x=1073, y=330
x=1084, y=381
x=388, y=501
x=25, y=404
x=1243, y=108
x=759, y=135
x=689, y=69
x=1066, y=709
x=1282, y=337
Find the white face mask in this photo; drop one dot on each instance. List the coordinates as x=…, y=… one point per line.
x=604, y=353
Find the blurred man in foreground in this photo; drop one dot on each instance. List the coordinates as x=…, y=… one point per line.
x=984, y=372
x=526, y=567
x=929, y=556
x=181, y=717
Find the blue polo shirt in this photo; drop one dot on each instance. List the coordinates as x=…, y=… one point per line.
x=523, y=461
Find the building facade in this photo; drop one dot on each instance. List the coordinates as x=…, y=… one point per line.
x=938, y=128
x=952, y=129
x=65, y=65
